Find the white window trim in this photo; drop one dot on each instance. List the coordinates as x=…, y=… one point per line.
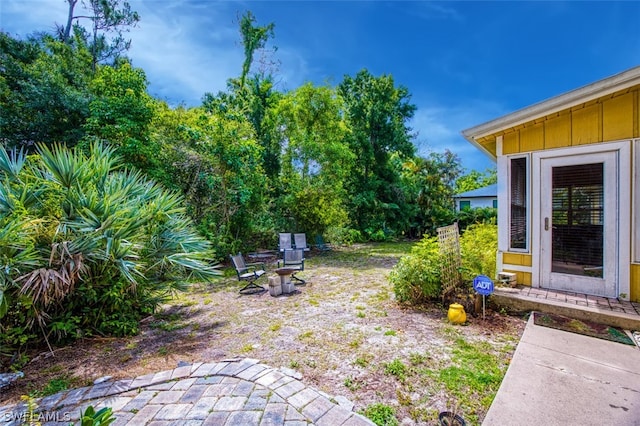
x=504, y=208
x=635, y=202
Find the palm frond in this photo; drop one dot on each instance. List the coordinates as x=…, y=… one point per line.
x=7, y=204
x=11, y=163
x=66, y=166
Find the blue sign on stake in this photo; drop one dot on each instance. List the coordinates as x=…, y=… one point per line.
x=483, y=285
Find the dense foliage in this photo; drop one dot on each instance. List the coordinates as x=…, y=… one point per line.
x=416, y=277
x=86, y=246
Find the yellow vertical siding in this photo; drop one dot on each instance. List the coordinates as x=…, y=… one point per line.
x=557, y=131
x=511, y=143
x=516, y=259
x=523, y=278
x=586, y=124
x=635, y=283
x=617, y=117
x=636, y=124
x=610, y=118
x=532, y=138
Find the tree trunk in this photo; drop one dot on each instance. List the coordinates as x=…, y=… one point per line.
x=67, y=28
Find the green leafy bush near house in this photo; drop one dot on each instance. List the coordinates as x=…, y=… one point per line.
x=416, y=277
x=478, y=247
x=87, y=247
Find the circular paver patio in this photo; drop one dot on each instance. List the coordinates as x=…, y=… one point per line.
x=231, y=392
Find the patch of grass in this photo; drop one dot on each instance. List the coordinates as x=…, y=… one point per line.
x=352, y=383
x=360, y=314
x=363, y=361
x=167, y=322
x=276, y=326
x=162, y=350
x=390, y=333
x=417, y=358
x=396, y=368
x=473, y=375
x=53, y=386
x=294, y=364
x=403, y=398
x=305, y=335
x=246, y=348
x=131, y=346
x=53, y=369
x=355, y=343
x=381, y=414
x=381, y=296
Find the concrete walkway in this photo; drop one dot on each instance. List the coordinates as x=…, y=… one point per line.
x=232, y=392
x=562, y=378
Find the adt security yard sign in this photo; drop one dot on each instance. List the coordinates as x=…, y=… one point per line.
x=483, y=285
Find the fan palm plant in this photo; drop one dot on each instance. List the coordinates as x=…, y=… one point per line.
x=86, y=246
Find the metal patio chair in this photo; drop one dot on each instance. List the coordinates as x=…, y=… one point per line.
x=293, y=259
x=284, y=242
x=300, y=242
x=249, y=273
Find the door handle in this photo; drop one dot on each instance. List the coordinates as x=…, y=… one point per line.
x=546, y=223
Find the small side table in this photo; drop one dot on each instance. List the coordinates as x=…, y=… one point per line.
x=285, y=279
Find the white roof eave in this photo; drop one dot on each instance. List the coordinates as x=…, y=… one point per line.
x=559, y=103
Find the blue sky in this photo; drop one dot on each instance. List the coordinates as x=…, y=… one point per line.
x=463, y=62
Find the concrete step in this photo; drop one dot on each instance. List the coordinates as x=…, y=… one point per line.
x=602, y=310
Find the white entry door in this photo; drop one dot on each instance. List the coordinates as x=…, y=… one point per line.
x=579, y=205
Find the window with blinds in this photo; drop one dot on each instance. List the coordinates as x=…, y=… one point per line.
x=578, y=219
x=518, y=231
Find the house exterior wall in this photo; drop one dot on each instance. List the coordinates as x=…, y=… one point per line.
x=476, y=202
x=615, y=117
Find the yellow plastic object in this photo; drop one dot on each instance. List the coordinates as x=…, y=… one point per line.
x=456, y=314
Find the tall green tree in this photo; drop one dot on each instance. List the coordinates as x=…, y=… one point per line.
x=108, y=21
x=254, y=37
x=251, y=96
x=429, y=185
x=121, y=113
x=44, y=91
x=315, y=160
x=377, y=114
x=475, y=179
x=216, y=163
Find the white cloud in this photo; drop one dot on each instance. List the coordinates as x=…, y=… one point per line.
x=185, y=49
x=439, y=128
x=21, y=18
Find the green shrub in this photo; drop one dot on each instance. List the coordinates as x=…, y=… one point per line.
x=416, y=277
x=396, y=368
x=381, y=414
x=343, y=236
x=86, y=246
x=478, y=246
x=468, y=217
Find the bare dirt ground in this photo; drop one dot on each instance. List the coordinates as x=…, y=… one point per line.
x=339, y=331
